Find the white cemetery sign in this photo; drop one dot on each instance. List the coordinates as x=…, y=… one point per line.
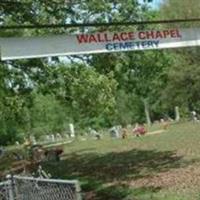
x=99, y=42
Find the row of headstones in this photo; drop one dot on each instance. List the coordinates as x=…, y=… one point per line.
x=115, y=131
x=58, y=137
x=52, y=137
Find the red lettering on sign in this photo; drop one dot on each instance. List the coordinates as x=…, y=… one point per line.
x=159, y=34
x=124, y=36
x=92, y=39
x=142, y=35
x=150, y=34
x=100, y=37
x=175, y=33
x=107, y=38
x=166, y=33
x=82, y=38
x=178, y=33
x=116, y=37
x=131, y=36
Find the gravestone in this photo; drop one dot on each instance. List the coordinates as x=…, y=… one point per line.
x=48, y=138
x=52, y=138
x=114, y=132
x=33, y=140
x=194, y=116
x=58, y=137
x=92, y=132
x=95, y=134
x=71, y=129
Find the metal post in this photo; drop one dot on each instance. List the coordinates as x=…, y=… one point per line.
x=78, y=191
x=10, y=187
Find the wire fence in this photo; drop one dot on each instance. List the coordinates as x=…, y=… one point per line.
x=29, y=188
x=5, y=188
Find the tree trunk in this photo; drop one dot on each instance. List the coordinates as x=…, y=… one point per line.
x=177, y=114
x=147, y=114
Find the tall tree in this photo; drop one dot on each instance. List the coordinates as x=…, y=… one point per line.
x=90, y=96
x=183, y=74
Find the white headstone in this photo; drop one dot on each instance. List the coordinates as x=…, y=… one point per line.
x=93, y=132
x=33, y=140
x=162, y=120
x=194, y=113
x=114, y=132
x=194, y=116
x=58, y=136
x=17, y=143
x=71, y=129
x=47, y=138
x=52, y=138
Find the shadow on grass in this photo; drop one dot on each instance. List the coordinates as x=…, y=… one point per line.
x=97, y=171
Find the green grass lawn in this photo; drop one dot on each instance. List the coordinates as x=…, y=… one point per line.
x=164, y=166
